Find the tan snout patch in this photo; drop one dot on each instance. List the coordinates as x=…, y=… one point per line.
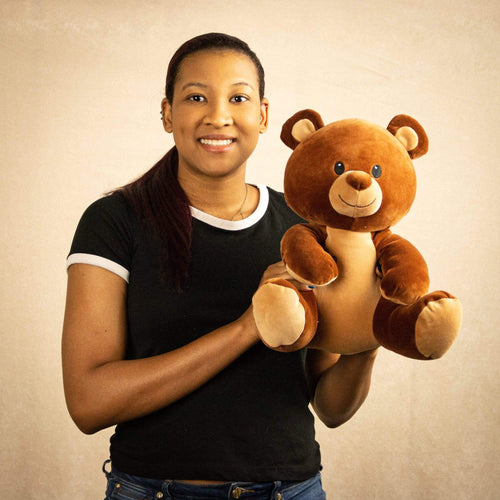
x=355, y=199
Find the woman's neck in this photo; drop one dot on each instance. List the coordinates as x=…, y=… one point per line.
x=225, y=198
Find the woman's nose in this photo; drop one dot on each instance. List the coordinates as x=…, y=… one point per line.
x=218, y=115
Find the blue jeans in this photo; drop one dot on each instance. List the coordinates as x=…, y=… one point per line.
x=123, y=486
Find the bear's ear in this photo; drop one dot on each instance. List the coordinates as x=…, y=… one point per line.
x=410, y=134
x=300, y=126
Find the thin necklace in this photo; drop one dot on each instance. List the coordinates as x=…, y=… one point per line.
x=240, y=211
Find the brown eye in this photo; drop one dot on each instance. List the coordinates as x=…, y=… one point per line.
x=196, y=98
x=239, y=98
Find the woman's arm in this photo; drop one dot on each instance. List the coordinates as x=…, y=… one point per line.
x=339, y=384
x=101, y=388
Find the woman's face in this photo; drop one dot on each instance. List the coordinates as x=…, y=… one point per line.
x=216, y=113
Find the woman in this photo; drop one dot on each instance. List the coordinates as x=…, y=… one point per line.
x=159, y=337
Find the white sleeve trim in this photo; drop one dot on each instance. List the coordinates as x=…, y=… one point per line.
x=96, y=260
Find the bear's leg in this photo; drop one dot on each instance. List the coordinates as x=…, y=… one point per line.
x=423, y=330
x=286, y=318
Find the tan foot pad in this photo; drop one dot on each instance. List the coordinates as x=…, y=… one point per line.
x=437, y=327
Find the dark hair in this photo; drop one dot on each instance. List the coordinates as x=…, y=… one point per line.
x=157, y=196
x=210, y=41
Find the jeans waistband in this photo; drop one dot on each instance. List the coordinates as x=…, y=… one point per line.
x=178, y=489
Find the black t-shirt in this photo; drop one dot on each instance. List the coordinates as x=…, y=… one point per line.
x=251, y=422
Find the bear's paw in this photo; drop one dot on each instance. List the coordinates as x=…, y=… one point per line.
x=279, y=315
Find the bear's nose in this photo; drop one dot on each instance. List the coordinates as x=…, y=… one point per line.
x=358, y=180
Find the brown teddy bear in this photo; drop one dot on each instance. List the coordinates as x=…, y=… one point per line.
x=353, y=180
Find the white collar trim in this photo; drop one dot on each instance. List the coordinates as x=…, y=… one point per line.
x=236, y=225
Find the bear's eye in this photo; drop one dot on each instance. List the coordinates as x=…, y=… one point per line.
x=376, y=171
x=339, y=168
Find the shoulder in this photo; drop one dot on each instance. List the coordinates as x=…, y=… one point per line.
x=113, y=203
x=276, y=199
x=112, y=210
x=105, y=235
x=275, y=195
x=278, y=204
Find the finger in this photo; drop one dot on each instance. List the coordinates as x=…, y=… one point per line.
x=277, y=267
x=276, y=270
x=302, y=287
x=279, y=270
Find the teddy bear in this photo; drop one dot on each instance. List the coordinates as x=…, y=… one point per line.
x=352, y=180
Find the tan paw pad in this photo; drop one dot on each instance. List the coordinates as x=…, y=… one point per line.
x=279, y=315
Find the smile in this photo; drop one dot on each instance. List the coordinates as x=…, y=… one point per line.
x=357, y=206
x=216, y=142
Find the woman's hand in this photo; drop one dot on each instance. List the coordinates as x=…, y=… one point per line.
x=279, y=270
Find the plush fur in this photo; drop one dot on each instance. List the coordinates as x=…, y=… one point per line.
x=353, y=180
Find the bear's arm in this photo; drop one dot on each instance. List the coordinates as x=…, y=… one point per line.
x=405, y=276
x=303, y=252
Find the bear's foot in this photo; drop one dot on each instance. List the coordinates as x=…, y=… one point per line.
x=425, y=329
x=437, y=326
x=285, y=318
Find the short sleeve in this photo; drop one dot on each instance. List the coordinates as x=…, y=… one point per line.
x=104, y=236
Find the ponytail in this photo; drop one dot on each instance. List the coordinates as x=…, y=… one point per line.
x=161, y=203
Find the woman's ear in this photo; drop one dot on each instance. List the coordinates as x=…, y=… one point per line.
x=166, y=114
x=264, y=115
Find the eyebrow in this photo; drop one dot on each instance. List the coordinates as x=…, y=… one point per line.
x=204, y=86
x=245, y=84
x=194, y=84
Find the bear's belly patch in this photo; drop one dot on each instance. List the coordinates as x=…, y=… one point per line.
x=347, y=305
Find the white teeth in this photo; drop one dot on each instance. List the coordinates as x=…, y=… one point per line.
x=214, y=142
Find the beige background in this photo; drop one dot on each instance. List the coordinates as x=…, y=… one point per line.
x=80, y=85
